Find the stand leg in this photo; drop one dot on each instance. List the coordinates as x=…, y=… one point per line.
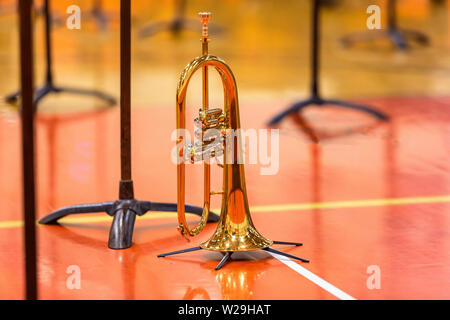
x=95, y=93
x=295, y=108
x=79, y=209
x=227, y=255
x=41, y=93
x=285, y=254
x=98, y=14
x=348, y=105
x=12, y=98
x=417, y=36
x=48, y=88
x=178, y=252
x=398, y=39
x=288, y=243
x=224, y=260
x=121, y=232
x=108, y=207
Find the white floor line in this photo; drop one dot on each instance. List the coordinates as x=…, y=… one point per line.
x=312, y=277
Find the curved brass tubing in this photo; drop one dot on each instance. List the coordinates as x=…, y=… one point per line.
x=235, y=231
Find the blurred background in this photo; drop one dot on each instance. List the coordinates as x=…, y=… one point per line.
x=266, y=42
x=364, y=192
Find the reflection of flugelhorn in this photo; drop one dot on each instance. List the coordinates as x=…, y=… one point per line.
x=219, y=133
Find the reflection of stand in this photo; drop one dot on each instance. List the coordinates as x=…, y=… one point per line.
x=178, y=23
x=49, y=86
x=399, y=37
x=316, y=99
x=227, y=255
x=126, y=208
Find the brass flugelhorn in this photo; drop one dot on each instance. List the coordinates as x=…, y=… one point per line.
x=219, y=133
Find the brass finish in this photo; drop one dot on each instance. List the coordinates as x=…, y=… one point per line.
x=235, y=231
x=219, y=133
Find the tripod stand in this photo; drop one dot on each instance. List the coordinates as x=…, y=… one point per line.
x=178, y=23
x=227, y=255
x=49, y=85
x=316, y=98
x=399, y=37
x=127, y=207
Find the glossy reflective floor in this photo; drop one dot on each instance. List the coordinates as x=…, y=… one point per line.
x=368, y=194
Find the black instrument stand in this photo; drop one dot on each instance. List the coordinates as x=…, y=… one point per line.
x=178, y=23
x=49, y=86
x=28, y=148
x=399, y=37
x=316, y=98
x=126, y=208
x=227, y=255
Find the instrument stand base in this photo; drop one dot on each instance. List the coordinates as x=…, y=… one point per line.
x=124, y=213
x=49, y=88
x=318, y=101
x=399, y=37
x=227, y=255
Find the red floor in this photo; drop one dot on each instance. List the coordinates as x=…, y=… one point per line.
x=356, y=160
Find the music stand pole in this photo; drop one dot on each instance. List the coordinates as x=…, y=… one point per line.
x=29, y=196
x=316, y=98
x=125, y=209
x=49, y=86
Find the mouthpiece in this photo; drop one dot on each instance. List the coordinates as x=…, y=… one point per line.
x=204, y=18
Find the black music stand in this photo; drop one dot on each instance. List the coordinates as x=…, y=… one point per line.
x=175, y=25
x=316, y=98
x=49, y=86
x=28, y=148
x=400, y=37
x=126, y=208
